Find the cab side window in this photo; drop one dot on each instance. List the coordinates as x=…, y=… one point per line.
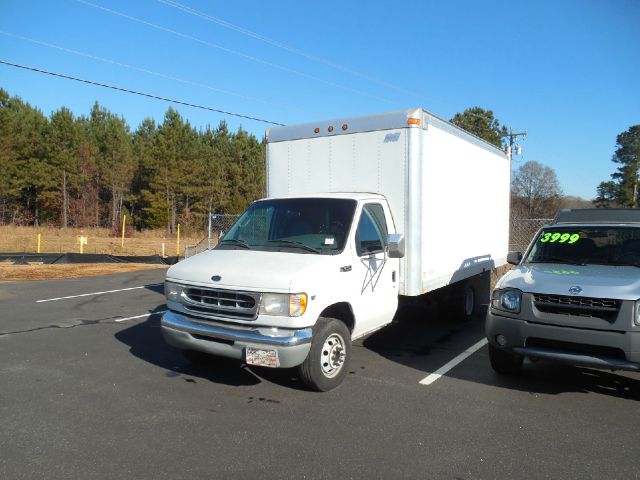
x=371, y=236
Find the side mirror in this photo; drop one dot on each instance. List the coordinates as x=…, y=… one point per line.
x=514, y=258
x=395, y=245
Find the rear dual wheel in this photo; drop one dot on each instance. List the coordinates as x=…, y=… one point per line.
x=458, y=302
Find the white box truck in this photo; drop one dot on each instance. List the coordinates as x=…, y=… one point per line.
x=358, y=211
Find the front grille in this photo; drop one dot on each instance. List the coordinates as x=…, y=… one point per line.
x=580, y=348
x=222, y=303
x=604, y=308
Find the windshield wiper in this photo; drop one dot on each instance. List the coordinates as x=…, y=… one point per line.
x=236, y=241
x=622, y=264
x=293, y=243
x=557, y=260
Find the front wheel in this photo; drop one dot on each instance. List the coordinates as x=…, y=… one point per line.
x=326, y=365
x=504, y=362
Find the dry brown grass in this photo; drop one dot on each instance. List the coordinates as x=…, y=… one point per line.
x=10, y=273
x=99, y=240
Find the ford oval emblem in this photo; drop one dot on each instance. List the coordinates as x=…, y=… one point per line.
x=575, y=290
x=216, y=278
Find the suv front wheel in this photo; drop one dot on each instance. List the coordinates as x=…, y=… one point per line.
x=505, y=362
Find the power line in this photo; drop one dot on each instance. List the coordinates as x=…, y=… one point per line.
x=233, y=52
x=284, y=46
x=142, y=94
x=139, y=69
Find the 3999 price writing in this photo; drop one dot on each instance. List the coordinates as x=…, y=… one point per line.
x=559, y=237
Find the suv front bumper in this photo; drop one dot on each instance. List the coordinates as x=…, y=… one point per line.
x=517, y=331
x=231, y=340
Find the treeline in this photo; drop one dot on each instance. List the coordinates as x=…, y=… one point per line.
x=91, y=170
x=623, y=190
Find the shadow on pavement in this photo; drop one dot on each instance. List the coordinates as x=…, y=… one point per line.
x=424, y=339
x=145, y=342
x=554, y=379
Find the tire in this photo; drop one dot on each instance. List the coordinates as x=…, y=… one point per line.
x=458, y=302
x=197, y=358
x=468, y=302
x=329, y=356
x=504, y=362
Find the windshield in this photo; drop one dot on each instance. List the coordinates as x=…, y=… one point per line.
x=304, y=225
x=587, y=245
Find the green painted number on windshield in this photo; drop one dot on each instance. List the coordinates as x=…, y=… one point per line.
x=553, y=237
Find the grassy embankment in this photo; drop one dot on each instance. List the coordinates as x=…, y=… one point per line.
x=99, y=240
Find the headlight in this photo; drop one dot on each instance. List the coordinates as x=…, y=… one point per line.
x=172, y=291
x=283, y=304
x=508, y=300
x=636, y=316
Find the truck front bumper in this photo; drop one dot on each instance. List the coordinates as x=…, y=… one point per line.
x=218, y=338
x=517, y=331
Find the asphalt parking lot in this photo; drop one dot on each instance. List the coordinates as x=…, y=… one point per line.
x=88, y=389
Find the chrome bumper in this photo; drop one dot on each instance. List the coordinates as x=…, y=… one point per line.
x=230, y=341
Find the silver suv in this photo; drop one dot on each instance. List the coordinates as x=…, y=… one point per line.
x=574, y=296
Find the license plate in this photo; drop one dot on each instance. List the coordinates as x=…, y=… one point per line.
x=261, y=357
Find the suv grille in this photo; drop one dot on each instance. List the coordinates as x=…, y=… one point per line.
x=604, y=308
x=223, y=303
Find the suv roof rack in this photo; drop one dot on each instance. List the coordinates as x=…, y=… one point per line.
x=597, y=215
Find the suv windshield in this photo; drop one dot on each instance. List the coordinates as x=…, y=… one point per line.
x=305, y=225
x=599, y=245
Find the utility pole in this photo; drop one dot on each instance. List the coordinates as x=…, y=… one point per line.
x=512, y=139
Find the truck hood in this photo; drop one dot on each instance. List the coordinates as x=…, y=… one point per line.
x=598, y=281
x=249, y=269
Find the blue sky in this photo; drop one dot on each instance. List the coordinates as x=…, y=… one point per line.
x=566, y=71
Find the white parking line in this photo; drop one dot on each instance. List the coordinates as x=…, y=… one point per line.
x=97, y=293
x=139, y=316
x=449, y=365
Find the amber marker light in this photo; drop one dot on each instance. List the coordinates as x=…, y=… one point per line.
x=316, y=130
x=330, y=128
x=345, y=126
x=413, y=121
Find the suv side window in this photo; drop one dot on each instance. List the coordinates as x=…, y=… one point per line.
x=371, y=236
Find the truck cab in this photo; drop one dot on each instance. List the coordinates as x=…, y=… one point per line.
x=573, y=297
x=290, y=285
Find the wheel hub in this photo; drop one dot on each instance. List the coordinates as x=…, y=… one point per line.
x=333, y=355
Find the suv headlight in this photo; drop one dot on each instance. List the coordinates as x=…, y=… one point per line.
x=507, y=300
x=636, y=314
x=283, y=304
x=173, y=291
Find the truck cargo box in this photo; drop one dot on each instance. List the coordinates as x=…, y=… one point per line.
x=448, y=190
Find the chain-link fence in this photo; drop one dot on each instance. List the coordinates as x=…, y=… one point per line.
x=219, y=224
x=522, y=230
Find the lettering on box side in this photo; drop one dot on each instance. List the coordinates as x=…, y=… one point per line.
x=391, y=137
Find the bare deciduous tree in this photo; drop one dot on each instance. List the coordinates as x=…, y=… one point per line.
x=535, y=190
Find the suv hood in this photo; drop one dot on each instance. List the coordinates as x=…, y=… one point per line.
x=598, y=281
x=249, y=269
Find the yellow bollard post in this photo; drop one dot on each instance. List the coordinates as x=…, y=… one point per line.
x=83, y=241
x=39, y=243
x=124, y=219
x=178, y=242
x=162, y=249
